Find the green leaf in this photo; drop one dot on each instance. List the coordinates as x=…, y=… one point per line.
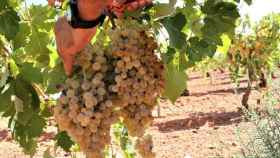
x=9, y=20
x=29, y=147
x=42, y=17
x=25, y=116
x=220, y=18
x=22, y=91
x=31, y=73
x=174, y=26
x=38, y=43
x=54, y=77
x=175, y=82
x=45, y=111
x=226, y=44
x=15, y=3
x=169, y=55
x=13, y=68
x=194, y=19
x=21, y=38
x=25, y=91
x=183, y=64
x=64, y=141
x=162, y=10
x=198, y=49
x=54, y=57
x=36, y=126
x=5, y=97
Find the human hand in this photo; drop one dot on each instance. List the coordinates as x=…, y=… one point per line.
x=70, y=41
x=120, y=6
x=52, y=2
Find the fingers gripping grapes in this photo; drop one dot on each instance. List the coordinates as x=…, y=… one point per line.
x=70, y=41
x=118, y=7
x=117, y=82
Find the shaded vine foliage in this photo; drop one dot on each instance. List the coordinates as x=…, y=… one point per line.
x=31, y=69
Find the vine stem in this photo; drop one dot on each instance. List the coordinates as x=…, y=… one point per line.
x=40, y=91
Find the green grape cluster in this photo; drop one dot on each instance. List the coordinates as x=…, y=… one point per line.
x=118, y=81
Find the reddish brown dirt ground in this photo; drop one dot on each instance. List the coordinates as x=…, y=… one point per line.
x=202, y=125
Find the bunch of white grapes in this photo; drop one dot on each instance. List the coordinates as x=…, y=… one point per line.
x=115, y=80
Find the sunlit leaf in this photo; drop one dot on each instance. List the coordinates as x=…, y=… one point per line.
x=175, y=82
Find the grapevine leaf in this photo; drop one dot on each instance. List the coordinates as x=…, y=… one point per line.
x=31, y=73
x=9, y=112
x=18, y=103
x=15, y=3
x=175, y=82
x=38, y=43
x=46, y=112
x=199, y=49
x=226, y=44
x=36, y=126
x=41, y=17
x=27, y=93
x=64, y=141
x=54, y=57
x=169, y=55
x=9, y=20
x=220, y=18
x=174, y=26
x=53, y=78
x=183, y=64
x=22, y=91
x=162, y=10
x=194, y=22
x=25, y=116
x=43, y=59
x=5, y=97
x=19, y=56
x=13, y=68
x=29, y=147
x=22, y=36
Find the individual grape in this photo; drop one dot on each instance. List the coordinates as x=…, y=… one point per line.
x=73, y=83
x=96, y=66
x=101, y=91
x=63, y=100
x=91, y=102
x=101, y=59
x=86, y=85
x=70, y=93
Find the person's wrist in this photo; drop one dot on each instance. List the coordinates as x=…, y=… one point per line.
x=90, y=9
